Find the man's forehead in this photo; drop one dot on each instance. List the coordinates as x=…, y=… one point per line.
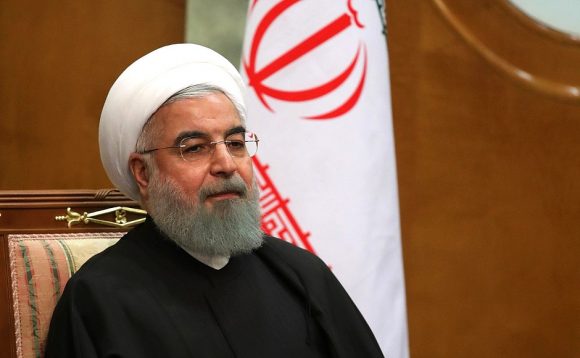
x=211, y=114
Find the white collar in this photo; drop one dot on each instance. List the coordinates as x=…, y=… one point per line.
x=215, y=262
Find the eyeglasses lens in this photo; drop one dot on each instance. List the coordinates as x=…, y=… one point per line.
x=239, y=145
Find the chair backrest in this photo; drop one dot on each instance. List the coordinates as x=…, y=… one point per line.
x=45, y=236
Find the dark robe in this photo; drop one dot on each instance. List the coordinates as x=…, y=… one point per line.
x=146, y=297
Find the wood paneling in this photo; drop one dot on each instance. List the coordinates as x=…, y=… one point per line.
x=57, y=62
x=489, y=168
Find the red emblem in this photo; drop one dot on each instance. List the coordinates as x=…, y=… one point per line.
x=257, y=77
x=277, y=219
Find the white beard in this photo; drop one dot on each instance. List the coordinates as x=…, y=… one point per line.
x=229, y=228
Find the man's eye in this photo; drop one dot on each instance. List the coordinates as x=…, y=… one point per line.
x=194, y=148
x=236, y=145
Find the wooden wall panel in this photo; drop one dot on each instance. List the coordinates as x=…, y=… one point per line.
x=57, y=62
x=489, y=178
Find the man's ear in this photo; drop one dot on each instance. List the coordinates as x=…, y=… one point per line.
x=140, y=173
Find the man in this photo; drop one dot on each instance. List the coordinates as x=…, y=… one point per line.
x=198, y=278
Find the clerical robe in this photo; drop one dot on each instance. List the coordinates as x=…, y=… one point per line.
x=146, y=297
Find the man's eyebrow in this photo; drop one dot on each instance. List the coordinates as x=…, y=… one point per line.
x=235, y=130
x=189, y=134
x=198, y=134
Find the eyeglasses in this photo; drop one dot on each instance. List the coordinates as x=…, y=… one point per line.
x=239, y=145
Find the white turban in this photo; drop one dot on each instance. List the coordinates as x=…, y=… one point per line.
x=142, y=88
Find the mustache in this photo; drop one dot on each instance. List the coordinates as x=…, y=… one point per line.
x=234, y=184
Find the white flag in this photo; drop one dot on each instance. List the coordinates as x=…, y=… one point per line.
x=319, y=99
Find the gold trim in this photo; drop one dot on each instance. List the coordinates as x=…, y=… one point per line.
x=541, y=84
x=74, y=218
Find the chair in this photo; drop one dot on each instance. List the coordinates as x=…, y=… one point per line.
x=45, y=236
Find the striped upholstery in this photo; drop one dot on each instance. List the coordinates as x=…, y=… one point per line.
x=40, y=267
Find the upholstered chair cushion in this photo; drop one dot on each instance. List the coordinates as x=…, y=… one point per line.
x=40, y=267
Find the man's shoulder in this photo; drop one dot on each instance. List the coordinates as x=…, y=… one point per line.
x=105, y=263
x=294, y=256
x=115, y=261
x=286, y=248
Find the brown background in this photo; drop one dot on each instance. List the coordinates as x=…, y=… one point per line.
x=489, y=177
x=58, y=60
x=488, y=163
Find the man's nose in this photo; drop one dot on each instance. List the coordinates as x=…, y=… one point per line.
x=222, y=162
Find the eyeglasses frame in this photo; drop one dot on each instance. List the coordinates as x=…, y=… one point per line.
x=213, y=145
